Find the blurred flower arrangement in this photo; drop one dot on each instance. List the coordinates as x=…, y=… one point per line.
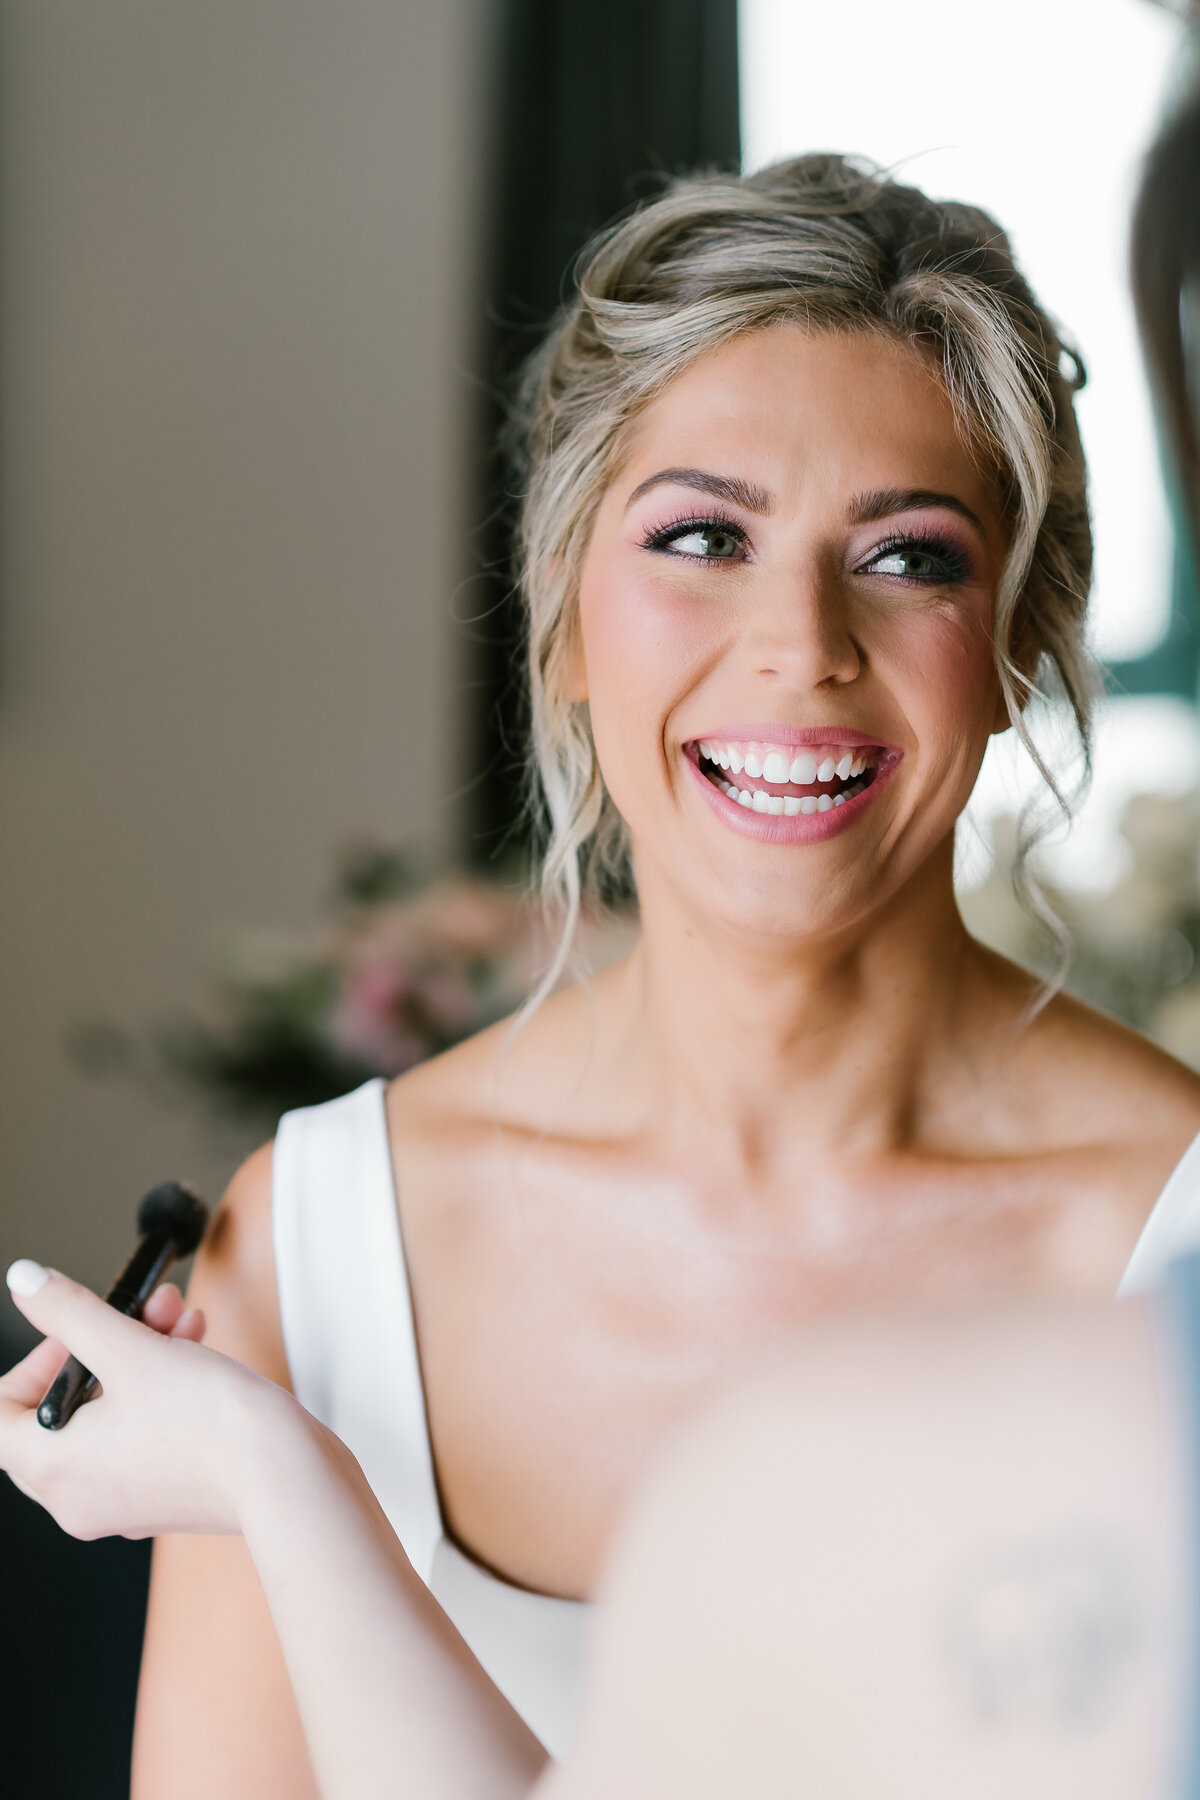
x=1136, y=945
x=400, y=969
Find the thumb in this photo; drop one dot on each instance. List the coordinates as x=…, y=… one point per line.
x=92, y=1330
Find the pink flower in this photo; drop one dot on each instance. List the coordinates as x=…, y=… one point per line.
x=369, y=1023
x=394, y=1010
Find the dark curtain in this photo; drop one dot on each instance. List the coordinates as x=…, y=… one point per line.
x=69, y=1648
x=1165, y=268
x=1166, y=271
x=595, y=101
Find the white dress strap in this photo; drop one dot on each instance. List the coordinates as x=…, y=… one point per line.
x=345, y=1306
x=1172, y=1229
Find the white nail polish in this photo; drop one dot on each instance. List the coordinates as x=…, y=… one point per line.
x=25, y=1277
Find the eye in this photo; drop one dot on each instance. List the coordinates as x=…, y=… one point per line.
x=933, y=562
x=913, y=565
x=700, y=540
x=711, y=541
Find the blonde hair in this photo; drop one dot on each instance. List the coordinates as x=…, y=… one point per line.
x=830, y=243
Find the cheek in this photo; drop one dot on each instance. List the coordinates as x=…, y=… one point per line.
x=945, y=672
x=644, y=639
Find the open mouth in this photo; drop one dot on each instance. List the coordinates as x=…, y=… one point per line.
x=785, y=780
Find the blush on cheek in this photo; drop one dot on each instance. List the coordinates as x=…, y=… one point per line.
x=953, y=692
x=645, y=645
x=640, y=621
x=948, y=654
x=645, y=637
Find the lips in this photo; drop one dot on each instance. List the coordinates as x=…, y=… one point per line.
x=767, y=781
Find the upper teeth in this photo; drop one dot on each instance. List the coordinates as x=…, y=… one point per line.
x=778, y=763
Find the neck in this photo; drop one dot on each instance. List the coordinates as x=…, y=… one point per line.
x=727, y=1030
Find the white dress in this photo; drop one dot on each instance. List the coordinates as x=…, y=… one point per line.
x=351, y=1348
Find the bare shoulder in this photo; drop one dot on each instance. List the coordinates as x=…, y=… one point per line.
x=1125, y=1087
x=216, y=1713
x=1069, y=1111
x=1077, y=1077
x=234, y=1274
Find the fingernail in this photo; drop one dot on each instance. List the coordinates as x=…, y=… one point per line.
x=25, y=1277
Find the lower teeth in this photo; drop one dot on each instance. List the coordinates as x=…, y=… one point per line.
x=789, y=804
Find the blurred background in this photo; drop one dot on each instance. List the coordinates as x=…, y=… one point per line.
x=266, y=268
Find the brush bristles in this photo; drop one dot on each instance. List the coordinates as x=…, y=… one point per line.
x=175, y=1210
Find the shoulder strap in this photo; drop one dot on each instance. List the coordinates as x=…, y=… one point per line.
x=345, y=1306
x=1172, y=1229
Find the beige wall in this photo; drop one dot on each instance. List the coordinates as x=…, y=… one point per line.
x=236, y=241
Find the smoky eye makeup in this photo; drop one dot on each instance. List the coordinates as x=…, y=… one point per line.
x=706, y=538
x=922, y=557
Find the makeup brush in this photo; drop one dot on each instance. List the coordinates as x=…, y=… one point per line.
x=170, y=1221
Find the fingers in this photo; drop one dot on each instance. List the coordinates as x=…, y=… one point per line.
x=25, y=1383
x=164, y=1309
x=190, y=1325
x=62, y=1309
x=168, y=1313
x=73, y=1316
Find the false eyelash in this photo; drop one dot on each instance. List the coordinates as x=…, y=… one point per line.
x=659, y=536
x=958, y=564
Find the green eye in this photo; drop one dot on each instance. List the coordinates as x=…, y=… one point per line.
x=911, y=565
x=712, y=543
x=933, y=561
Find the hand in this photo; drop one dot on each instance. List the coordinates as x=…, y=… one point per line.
x=168, y=1442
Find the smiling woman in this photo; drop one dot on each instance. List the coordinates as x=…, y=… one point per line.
x=827, y=246
x=804, y=525
x=819, y=571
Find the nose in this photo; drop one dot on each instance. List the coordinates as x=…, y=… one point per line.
x=802, y=632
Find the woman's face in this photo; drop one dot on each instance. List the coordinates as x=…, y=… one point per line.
x=785, y=628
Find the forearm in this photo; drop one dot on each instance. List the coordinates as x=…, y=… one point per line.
x=184, y=1439
x=392, y=1700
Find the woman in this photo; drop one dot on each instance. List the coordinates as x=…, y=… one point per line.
x=804, y=525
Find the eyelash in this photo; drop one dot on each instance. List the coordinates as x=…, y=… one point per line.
x=660, y=536
x=955, y=562
x=954, y=559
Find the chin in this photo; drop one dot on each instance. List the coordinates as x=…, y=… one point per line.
x=811, y=910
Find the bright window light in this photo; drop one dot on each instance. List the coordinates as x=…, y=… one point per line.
x=1038, y=110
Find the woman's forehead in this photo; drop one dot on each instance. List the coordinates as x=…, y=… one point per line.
x=786, y=407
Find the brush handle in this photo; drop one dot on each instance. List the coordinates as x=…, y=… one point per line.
x=74, y=1384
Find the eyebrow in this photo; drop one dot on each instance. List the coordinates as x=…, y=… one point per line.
x=721, y=487
x=866, y=509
